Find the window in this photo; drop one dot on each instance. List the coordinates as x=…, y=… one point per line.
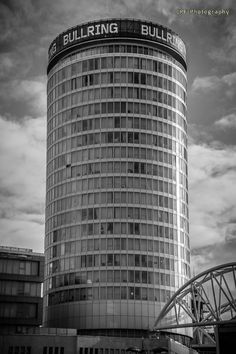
x=19, y=350
x=131, y=293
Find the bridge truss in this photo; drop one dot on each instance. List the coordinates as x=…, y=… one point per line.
x=203, y=302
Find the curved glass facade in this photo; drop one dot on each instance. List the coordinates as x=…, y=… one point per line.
x=117, y=244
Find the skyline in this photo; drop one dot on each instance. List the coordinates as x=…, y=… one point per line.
x=27, y=29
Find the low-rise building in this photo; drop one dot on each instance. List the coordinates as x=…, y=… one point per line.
x=21, y=278
x=67, y=341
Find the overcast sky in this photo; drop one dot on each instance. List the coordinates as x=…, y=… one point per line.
x=27, y=27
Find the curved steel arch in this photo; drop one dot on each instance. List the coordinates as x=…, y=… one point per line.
x=205, y=300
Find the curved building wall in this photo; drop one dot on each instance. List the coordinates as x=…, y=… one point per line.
x=116, y=244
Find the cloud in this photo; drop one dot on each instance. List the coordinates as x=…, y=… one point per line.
x=19, y=19
x=22, y=180
x=24, y=29
x=212, y=175
x=213, y=255
x=6, y=65
x=205, y=83
x=22, y=233
x=224, y=50
x=227, y=122
x=229, y=79
x=30, y=93
x=212, y=83
x=168, y=9
x=199, y=134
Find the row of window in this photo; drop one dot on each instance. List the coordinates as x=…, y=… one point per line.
x=117, y=244
x=115, y=151
x=108, y=152
x=118, y=77
x=124, y=167
x=11, y=266
x=104, y=350
x=74, y=247
x=53, y=350
x=132, y=136
x=117, y=106
x=10, y=287
x=76, y=201
x=19, y=349
x=114, y=197
x=115, y=167
x=118, y=260
x=60, y=350
x=107, y=78
x=109, y=293
x=126, y=123
x=105, y=153
x=112, y=276
x=124, y=212
x=121, y=137
x=116, y=60
x=96, y=183
x=100, y=153
x=117, y=228
x=77, y=216
x=110, y=212
x=115, y=260
x=117, y=48
x=93, y=277
x=129, y=122
x=74, y=232
x=18, y=310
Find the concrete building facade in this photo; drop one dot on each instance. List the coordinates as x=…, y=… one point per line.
x=21, y=278
x=66, y=341
x=116, y=244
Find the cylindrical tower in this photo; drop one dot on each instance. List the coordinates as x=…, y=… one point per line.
x=117, y=244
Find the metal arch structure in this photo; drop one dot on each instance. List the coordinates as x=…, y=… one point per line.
x=204, y=301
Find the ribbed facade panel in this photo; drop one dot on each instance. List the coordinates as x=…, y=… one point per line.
x=117, y=244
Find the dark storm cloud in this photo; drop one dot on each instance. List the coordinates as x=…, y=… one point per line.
x=224, y=50
x=21, y=32
x=25, y=96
